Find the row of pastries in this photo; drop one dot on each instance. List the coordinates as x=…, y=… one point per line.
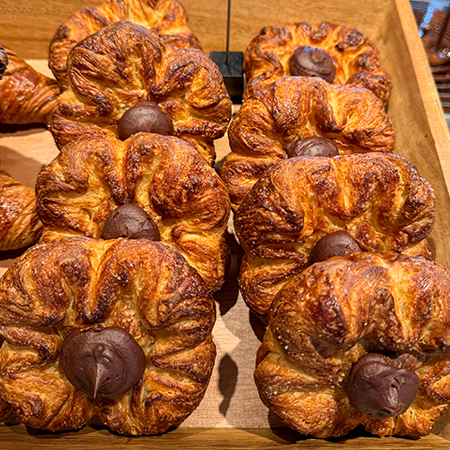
x=110, y=311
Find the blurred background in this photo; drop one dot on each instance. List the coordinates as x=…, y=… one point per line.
x=433, y=21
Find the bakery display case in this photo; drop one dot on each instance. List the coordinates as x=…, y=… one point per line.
x=231, y=414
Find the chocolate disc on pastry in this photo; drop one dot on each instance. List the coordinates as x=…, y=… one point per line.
x=311, y=146
x=377, y=386
x=312, y=62
x=130, y=222
x=339, y=243
x=103, y=363
x=144, y=117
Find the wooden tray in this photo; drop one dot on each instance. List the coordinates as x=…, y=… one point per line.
x=231, y=415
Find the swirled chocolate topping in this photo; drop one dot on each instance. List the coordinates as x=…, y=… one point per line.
x=379, y=387
x=145, y=116
x=130, y=222
x=103, y=363
x=339, y=243
x=312, y=62
x=311, y=146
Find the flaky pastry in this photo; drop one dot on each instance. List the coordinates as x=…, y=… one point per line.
x=27, y=96
x=166, y=177
x=19, y=222
x=354, y=59
x=387, y=311
x=166, y=17
x=294, y=108
x=138, y=288
x=124, y=64
x=380, y=200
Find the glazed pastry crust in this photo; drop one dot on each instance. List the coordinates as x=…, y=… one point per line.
x=295, y=107
x=19, y=222
x=354, y=56
x=166, y=17
x=27, y=95
x=144, y=287
x=380, y=200
x=124, y=64
x=335, y=312
x=162, y=174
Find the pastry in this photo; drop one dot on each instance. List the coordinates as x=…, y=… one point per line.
x=19, y=222
x=123, y=65
x=359, y=340
x=92, y=178
x=167, y=17
x=342, y=56
x=27, y=95
x=117, y=328
x=380, y=200
x=293, y=108
x=3, y=61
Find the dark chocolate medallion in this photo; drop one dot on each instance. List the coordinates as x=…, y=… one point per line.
x=144, y=117
x=130, y=222
x=103, y=363
x=312, y=62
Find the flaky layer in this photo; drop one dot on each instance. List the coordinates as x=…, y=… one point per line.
x=27, y=96
x=294, y=108
x=166, y=17
x=19, y=222
x=380, y=200
x=335, y=312
x=144, y=287
x=123, y=64
x=162, y=174
x=354, y=57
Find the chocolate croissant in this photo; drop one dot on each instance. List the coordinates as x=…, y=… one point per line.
x=27, y=96
x=122, y=66
x=19, y=222
x=359, y=340
x=164, y=177
x=380, y=200
x=166, y=17
x=81, y=317
x=280, y=116
x=339, y=55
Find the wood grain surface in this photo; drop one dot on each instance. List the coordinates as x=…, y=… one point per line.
x=231, y=415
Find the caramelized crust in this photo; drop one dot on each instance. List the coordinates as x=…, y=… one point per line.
x=27, y=95
x=296, y=107
x=163, y=175
x=124, y=64
x=148, y=289
x=166, y=17
x=335, y=312
x=355, y=58
x=19, y=222
x=380, y=200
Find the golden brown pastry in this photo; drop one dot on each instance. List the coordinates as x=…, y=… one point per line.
x=27, y=96
x=167, y=17
x=135, y=288
x=380, y=200
x=294, y=108
x=19, y=222
x=164, y=176
x=123, y=65
x=359, y=340
x=342, y=56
